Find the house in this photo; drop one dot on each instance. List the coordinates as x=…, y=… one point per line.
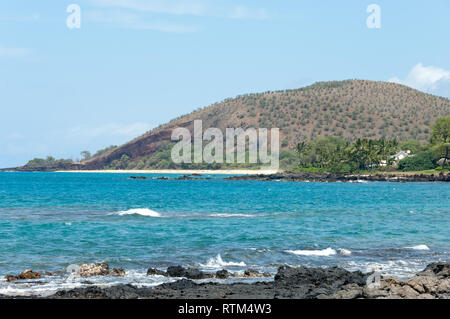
x=397, y=157
x=401, y=155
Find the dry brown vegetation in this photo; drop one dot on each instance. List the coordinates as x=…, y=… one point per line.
x=348, y=109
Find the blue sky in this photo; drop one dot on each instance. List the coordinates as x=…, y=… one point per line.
x=135, y=64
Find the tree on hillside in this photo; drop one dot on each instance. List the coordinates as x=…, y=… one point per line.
x=412, y=145
x=440, y=138
x=48, y=162
x=124, y=161
x=105, y=150
x=86, y=155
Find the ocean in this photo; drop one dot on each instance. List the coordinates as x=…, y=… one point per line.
x=50, y=221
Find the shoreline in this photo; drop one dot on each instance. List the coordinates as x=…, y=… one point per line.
x=274, y=175
x=288, y=283
x=174, y=171
x=345, y=178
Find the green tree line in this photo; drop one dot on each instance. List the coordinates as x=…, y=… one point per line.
x=334, y=154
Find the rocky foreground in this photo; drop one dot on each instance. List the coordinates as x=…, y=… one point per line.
x=289, y=283
x=329, y=177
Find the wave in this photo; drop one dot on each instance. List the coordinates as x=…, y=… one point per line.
x=47, y=286
x=323, y=252
x=139, y=211
x=401, y=269
x=231, y=215
x=344, y=252
x=419, y=247
x=218, y=262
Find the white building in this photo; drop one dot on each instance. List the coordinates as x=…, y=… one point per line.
x=397, y=157
x=401, y=155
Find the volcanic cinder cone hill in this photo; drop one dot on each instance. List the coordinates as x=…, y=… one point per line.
x=349, y=109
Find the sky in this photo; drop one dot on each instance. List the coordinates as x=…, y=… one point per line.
x=134, y=64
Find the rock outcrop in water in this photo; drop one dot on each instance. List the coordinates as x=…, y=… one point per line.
x=251, y=273
x=179, y=178
x=100, y=269
x=298, y=283
x=117, y=272
x=94, y=269
x=329, y=177
x=432, y=283
x=154, y=271
x=26, y=274
x=85, y=270
x=223, y=274
x=288, y=283
x=291, y=283
x=190, y=273
x=194, y=273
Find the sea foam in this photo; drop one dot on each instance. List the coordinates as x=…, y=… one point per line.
x=344, y=252
x=218, y=262
x=323, y=252
x=47, y=286
x=419, y=247
x=140, y=211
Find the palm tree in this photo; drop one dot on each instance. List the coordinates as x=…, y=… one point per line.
x=301, y=147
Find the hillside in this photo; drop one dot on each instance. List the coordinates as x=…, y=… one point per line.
x=349, y=109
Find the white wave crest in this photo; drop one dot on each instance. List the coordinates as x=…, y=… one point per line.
x=323, y=252
x=400, y=269
x=49, y=285
x=419, y=247
x=344, y=252
x=218, y=262
x=140, y=211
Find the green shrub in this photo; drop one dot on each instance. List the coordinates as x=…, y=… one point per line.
x=420, y=162
x=310, y=169
x=344, y=167
x=49, y=162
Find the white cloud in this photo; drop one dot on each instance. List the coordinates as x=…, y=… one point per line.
x=111, y=129
x=14, y=52
x=185, y=7
x=156, y=6
x=133, y=21
x=156, y=14
x=241, y=12
x=428, y=79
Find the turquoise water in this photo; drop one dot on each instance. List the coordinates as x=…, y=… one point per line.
x=51, y=220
